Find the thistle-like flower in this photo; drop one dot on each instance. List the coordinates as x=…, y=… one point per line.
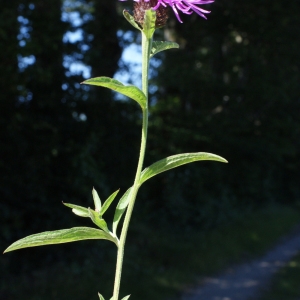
x=142, y=5
x=185, y=6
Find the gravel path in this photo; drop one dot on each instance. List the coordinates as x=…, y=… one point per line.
x=243, y=282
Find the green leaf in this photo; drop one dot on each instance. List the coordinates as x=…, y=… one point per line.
x=97, y=200
x=130, y=19
x=149, y=23
x=127, y=297
x=130, y=91
x=61, y=236
x=97, y=220
x=176, y=161
x=108, y=202
x=120, y=209
x=100, y=297
x=161, y=46
x=78, y=210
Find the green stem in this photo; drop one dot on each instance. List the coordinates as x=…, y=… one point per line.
x=146, y=48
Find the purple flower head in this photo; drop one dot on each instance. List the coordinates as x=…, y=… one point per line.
x=185, y=6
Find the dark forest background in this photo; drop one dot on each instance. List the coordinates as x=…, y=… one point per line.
x=233, y=89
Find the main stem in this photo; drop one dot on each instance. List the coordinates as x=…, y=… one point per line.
x=146, y=48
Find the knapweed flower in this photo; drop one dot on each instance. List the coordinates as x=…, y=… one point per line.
x=141, y=6
x=185, y=6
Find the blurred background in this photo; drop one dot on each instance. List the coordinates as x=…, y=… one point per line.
x=231, y=89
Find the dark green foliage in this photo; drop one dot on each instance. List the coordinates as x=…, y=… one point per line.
x=231, y=89
x=55, y=144
x=156, y=263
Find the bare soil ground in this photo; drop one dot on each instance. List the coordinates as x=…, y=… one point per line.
x=244, y=282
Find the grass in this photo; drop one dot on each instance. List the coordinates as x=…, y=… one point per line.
x=285, y=284
x=158, y=264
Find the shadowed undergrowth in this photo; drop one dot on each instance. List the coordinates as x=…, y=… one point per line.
x=162, y=262
x=285, y=284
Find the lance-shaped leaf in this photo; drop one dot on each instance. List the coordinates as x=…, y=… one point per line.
x=78, y=210
x=120, y=209
x=149, y=23
x=61, y=236
x=100, y=297
x=130, y=91
x=130, y=19
x=176, y=161
x=97, y=200
x=97, y=220
x=108, y=202
x=161, y=46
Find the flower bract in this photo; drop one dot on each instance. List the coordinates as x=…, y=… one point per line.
x=185, y=6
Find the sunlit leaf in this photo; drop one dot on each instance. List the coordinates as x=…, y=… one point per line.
x=100, y=297
x=130, y=91
x=97, y=200
x=121, y=207
x=78, y=210
x=161, y=46
x=108, y=202
x=61, y=236
x=149, y=23
x=97, y=220
x=176, y=161
x=130, y=19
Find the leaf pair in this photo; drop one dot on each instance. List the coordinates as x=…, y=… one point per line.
x=95, y=215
